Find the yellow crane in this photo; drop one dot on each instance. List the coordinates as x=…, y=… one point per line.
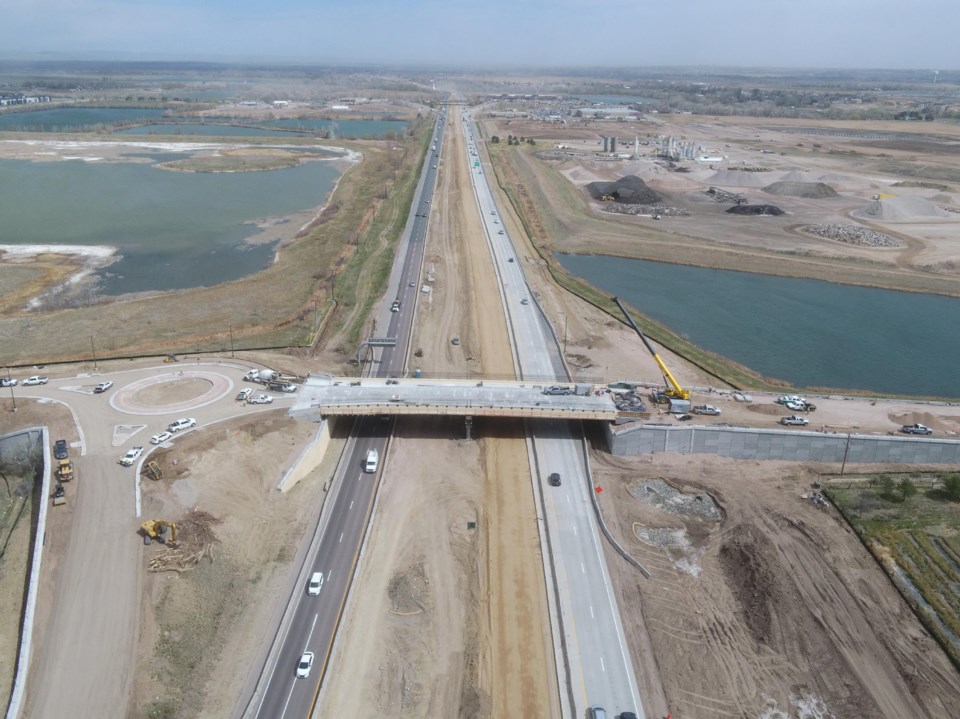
x=673, y=388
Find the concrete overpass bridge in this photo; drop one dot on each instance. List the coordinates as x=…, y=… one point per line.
x=324, y=396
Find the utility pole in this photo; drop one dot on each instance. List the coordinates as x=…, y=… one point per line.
x=12, y=395
x=845, y=450
x=94, y=349
x=231, y=340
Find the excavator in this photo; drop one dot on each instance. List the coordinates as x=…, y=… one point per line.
x=156, y=529
x=673, y=388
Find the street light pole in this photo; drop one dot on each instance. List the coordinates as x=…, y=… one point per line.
x=231, y=340
x=94, y=348
x=10, y=384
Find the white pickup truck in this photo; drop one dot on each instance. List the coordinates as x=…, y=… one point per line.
x=706, y=409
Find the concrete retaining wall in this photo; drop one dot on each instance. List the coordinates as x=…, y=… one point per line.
x=790, y=445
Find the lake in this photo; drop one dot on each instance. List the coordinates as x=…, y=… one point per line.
x=807, y=332
x=73, y=119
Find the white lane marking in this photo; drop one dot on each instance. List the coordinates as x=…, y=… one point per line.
x=287, y=702
x=582, y=568
x=312, y=627
x=602, y=665
x=591, y=612
x=341, y=538
x=568, y=499
x=351, y=504
x=575, y=533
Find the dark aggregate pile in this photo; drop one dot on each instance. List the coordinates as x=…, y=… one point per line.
x=812, y=190
x=755, y=210
x=630, y=190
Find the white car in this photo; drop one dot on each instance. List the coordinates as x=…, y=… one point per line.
x=305, y=665
x=315, y=584
x=788, y=398
x=260, y=399
x=36, y=379
x=132, y=455
x=182, y=423
x=8, y=382
x=160, y=437
x=244, y=394
x=102, y=387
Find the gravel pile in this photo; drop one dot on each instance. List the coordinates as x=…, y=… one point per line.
x=755, y=210
x=630, y=190
x=812, y=190
x=662, y=536
x=662, y=210
x=853, y=235
x=661, y=495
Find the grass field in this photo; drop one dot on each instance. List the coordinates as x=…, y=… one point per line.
x=916, y=539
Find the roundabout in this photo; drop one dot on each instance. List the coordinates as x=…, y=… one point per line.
x=171, y=393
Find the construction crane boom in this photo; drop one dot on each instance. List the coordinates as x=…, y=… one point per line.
x=674, y=389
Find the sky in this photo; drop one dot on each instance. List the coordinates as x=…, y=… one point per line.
x=894, y=34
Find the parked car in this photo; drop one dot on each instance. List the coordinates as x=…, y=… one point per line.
x=916, y=429
x=801, y=406
x=706, y=409
x=161, y=437
x=8, y=382
x=790, y=398
x=102, y=387
x=557, y=389
x=36, y=379
x=794, y=420
x=182, y=423
x=132, y=455
x=304, y=665
x=260, y=399
x=60, y=450
x=244, y=394
x=554, y=480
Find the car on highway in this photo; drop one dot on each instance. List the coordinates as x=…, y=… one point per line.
x=794, y=420
x=36, y=379
x=455, y=341
x=132, y=455
x=8, y=382
x=182, y=423
x=395, y=307
x=554, y=479
x=315, y=584
x=509, y=259
x=411, y=284
x=304, y=665
x=499, y=232
x=916, y=429
x=260, y=399
x=60, y=450
x=102, y=387
x=161, y=437
x=244, y=394
x=524, y=301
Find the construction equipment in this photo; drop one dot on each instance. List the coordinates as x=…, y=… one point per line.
x=153, y=471
x=607, y=198
x=59, y=496
x=169, y=359
x=64, y=470
x=673, y=390
x=156, y=529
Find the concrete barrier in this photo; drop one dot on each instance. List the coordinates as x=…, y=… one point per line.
x=309, y=459
x=789, y=445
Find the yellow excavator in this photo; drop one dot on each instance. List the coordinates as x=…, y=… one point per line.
x=156, y=529
x=673, y=388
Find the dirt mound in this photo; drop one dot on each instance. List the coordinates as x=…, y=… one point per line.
x=811, y=190
x=901, y=209
x=747, y=561
x=772, y=409
x=630, y=190
x=755, y=210
x=742, y=178
x=931, y=420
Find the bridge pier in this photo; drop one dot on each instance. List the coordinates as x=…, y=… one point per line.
x=468, y=424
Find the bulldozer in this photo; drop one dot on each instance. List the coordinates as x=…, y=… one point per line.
x=156, y=529
x=65, y=470
x=153, y=471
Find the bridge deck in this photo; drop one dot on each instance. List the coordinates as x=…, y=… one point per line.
x=371, y=396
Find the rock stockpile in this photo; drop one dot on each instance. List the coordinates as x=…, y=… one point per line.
x=812, y=190
x=629, y=190
x=755, y=210
x=853, y=235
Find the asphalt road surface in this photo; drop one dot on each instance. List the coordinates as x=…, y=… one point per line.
x=315, y=619
x=600, y=671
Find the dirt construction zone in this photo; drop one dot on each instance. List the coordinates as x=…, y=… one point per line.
x=761, y=604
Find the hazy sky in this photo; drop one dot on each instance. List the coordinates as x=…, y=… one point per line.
x=918, y=34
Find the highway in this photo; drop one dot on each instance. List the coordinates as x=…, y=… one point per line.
x=600, y=671
x=314, y=620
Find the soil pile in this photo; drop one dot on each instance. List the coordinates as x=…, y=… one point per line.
x=630, y=190
x=811, y=190
x=853, y=235
x=741, y=178
x=755, y=210
x=901, y=209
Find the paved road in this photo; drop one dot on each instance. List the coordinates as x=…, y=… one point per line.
x=315, y=618
x=83, y=666
x=600, y=668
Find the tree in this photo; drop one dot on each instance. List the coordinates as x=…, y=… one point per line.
x=887, y=486
x=495, y=139
x=951, y=485
x=907, y=488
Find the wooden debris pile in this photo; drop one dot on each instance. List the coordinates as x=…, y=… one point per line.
x=195, y=540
